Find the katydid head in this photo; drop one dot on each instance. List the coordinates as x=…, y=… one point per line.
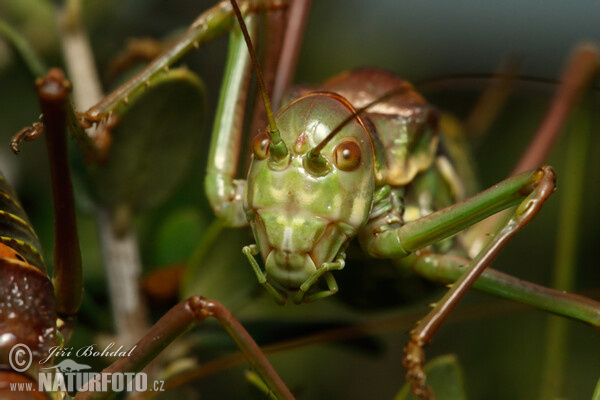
x=301, y=212
x=306, y=194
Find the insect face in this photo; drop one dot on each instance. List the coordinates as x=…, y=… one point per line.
x=301, y=213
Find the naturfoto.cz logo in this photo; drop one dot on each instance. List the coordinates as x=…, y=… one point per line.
x=70, y=376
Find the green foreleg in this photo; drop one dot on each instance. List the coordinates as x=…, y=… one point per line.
x=447, y=269
x=211, y=24
x=224, y=192
x=420, y=233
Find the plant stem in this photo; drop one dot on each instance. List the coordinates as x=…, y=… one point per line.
x=120, y=248
x=573, y=183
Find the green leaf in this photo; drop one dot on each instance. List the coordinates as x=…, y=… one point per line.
x=34, y=64
x=153, y=145
x=596, y=395
x=444, y=376
x=255, y=380
x=178, y=235
x=219, y=270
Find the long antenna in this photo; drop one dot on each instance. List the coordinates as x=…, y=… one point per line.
x=277, y=147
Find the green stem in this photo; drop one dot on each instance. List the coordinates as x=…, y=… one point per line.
x=200, y=252
x=257, y=381
x=596, y=395
x=34, y=64
x=573, y=178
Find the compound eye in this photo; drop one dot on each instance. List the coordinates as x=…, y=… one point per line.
x=260, y=146
x=347, y=155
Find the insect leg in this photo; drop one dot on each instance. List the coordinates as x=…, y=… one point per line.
x=179, y=319
x=224, y=192
x=275, y=25
x=528, y=190
x=209, y=25
x=414, y=235
x=27, y=134
x=446, y=268
x=427, y=327
x=53, y=92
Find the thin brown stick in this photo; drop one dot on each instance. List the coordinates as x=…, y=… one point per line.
x=53, y=92
x=414, y=357
x=492, y=100
x=120, y=252
x=180, y=318
x=580, y=70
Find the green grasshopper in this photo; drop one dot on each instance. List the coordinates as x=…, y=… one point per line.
x=301, y=234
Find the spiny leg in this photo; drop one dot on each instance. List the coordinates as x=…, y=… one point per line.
x=445, y=268
x=179, y=319
x=528, y=189
x=427, y=327
x=26, y=134
x=209, y=25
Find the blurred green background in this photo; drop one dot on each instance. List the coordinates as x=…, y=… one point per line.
x=499, y=345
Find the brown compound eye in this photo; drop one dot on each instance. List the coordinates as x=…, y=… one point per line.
x=347, y=155
x=260, y=146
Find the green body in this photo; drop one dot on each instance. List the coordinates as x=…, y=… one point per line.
x=408, y=192
x=402, y=194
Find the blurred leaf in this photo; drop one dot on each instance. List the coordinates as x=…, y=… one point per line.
x=178, y=235
x=444, y=376
x=255, y=380
x=272, y=331
x=163, y=284
x=34, y=64
x=153, y=145
x=35, y=20
x=219, y=270
x=596, y=395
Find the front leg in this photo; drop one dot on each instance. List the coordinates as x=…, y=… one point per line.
x=224, y=192
x=398, y=242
